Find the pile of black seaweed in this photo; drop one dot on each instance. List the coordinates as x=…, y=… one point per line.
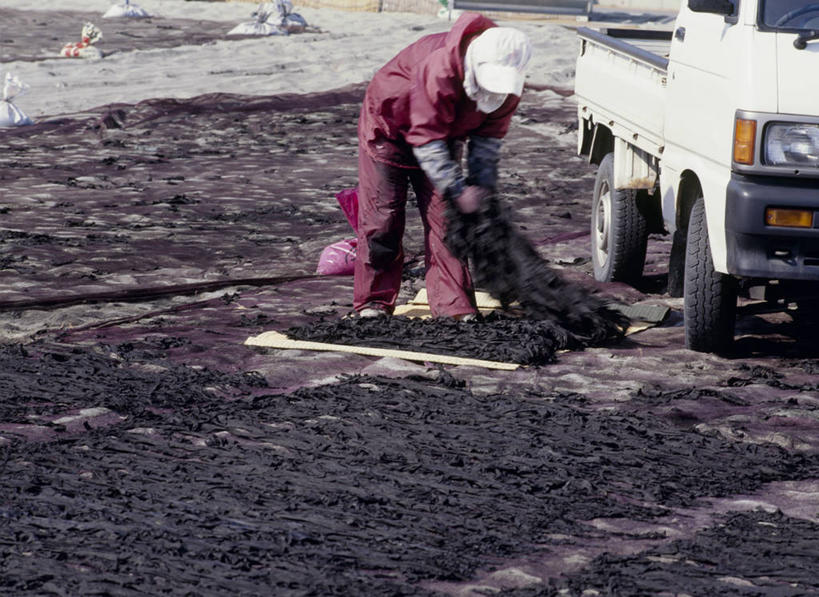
x=505, y=263
x=496, y=337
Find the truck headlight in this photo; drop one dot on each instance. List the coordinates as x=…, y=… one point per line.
x=792, y=144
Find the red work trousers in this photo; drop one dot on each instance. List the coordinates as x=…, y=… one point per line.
x=382, y=199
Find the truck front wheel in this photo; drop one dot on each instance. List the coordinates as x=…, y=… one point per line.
x=619, y=230
x=710, y=298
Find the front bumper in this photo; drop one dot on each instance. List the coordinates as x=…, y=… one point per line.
x=756, y=250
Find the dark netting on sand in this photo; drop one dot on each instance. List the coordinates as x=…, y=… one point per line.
x=496, y=337
x=506, y=264
x=747, y=554
x=172, y=196
x=369, y=486
x=35, y=35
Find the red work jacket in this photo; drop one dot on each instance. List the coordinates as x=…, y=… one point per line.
x=418, y=97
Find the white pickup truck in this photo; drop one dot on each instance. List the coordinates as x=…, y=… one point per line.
x=709, y=132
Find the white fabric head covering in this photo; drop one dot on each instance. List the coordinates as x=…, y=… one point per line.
x=495, y=66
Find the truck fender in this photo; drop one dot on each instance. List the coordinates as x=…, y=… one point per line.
x=688, y=191
x=596, y=141
x=699, y=175
x=678, y=200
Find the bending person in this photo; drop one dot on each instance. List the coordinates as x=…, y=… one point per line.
x=441, y=91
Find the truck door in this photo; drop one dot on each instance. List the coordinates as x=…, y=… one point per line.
x=700, y=108
x=699, y=118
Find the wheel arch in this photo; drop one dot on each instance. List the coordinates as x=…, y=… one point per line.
x=597, y=141
x=690, y=189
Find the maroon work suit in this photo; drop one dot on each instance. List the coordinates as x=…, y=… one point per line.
x=416, y=98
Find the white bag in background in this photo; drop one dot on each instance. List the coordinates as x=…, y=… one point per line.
x=11, y=115
x=292, y=22
x=126, y=9
x=85, y=48
x=259, y=25
x=272, y=18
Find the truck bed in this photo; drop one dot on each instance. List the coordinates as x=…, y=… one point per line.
x=621, y=80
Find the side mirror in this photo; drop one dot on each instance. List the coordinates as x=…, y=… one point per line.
x=718, y=7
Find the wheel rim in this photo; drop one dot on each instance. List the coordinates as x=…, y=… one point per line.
x=602, y=224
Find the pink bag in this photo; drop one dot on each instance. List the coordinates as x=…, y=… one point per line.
x=348, y=200
x=338, y=259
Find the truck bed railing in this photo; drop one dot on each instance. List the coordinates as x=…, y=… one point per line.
x=564, y=7
x=623, y=47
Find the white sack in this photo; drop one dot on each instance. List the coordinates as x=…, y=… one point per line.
x=256, y=28
x=126, y=9
x=274, y=18
x=11, y=115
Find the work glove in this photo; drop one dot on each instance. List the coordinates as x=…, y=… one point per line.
x=470, y=200
x=435, y=159
x=437, y=162
x=482, y=158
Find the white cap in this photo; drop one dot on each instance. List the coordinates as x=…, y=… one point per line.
x=500, y=55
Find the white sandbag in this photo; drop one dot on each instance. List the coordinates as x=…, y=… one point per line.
x=84, y=48
x=272, y=18
x=260, y=24
x=256, y=28
x=292, y=22
x=126, y=9
x=11, y=115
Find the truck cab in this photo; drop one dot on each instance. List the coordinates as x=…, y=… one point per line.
x=718, y=131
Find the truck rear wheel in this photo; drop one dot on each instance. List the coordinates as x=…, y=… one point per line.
x=710, y=297
x=619, y=230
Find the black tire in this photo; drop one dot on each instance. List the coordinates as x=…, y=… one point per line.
x=710, y=297
x=619, y=229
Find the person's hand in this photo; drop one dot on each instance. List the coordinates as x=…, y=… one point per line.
x=469, y=201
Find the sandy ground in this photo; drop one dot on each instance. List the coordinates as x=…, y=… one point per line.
x=141, y=244
x=349, y=49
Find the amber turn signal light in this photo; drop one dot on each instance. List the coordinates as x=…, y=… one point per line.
x=794, y=218
x=744, y=141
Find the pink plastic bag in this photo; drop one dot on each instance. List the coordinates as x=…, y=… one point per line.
x=338, y=259
x=348, y=200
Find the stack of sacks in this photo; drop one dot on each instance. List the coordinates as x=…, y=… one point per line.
x=85, y=48
x=274, y=18
x=126, y=9
x=11, y=115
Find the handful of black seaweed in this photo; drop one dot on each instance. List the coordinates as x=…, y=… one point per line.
x=505, y=263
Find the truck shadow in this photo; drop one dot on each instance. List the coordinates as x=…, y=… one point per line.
x=777, y=335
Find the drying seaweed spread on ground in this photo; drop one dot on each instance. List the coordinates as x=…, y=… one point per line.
x=369, y=486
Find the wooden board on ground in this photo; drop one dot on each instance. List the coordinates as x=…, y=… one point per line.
x=279, y=340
